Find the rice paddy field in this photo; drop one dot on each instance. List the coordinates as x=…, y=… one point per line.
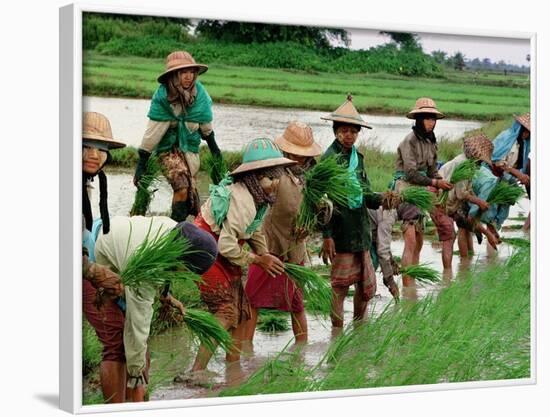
x=473, y=327
x=466, y=95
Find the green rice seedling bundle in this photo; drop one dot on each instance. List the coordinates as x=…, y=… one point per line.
x=421, y=197
x=517, y=242
x=327, y=177
x=505, y=193
x=465, y=171
x=421, y=272
x=207, y=329
x=317, y=291
x=340, y=344
x=145, y=189
x=272, y=321
x=216, y=167
x=157, y=260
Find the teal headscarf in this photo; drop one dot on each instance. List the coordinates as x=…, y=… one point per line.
x=355, y=199
x=199, y=112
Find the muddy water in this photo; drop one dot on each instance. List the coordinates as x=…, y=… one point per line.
x=173, y=352
x=237, y=125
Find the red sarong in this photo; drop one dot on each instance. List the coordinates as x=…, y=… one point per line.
x=221, y=286
x=279, y=292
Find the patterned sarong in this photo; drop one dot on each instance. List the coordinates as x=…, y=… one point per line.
x=354, y=268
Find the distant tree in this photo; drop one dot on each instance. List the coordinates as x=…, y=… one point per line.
x=405, y=40
x=243, y=32
x=458, y=61
x=487, y=63
x=439, y=56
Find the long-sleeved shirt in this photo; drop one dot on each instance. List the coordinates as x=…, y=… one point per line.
x=414, y=155
x=156, y=130
x=242, y=212
x=461, y=190
x=279, y=222
x=113, y=250
x=350, y=228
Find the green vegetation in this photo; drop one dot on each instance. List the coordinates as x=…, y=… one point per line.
x=452, y=334
x=378, y=92
x=273, y=321
x=91, y=349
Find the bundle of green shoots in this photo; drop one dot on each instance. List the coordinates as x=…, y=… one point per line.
x=316, y=290
x=421, y=197
x=207, y=329
x=517, y=242
x=327, y=177
x=157, y=260
x=145, y=189
x=421, y=272
x=465, y=171
x=216, y=167
x=505, y=193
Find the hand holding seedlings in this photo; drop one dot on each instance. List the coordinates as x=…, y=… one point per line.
x=271, y=264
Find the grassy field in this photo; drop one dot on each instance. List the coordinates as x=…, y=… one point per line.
x=449, y=337
x=459, y=95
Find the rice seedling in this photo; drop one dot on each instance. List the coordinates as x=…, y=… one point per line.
x=421, y=272
x=340, y=344
x=207, y=329
x=157, y=260
x=216, y=167
x=145, y=189
x=421, y=197
x=465, y=171
x=505, y=193
x=470, y=331
x=317, y=291
x=272, y=321
x=517, y=241
x=327, y=178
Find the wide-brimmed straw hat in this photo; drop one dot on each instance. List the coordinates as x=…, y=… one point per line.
x=178, y=60
x=297, y=139
x=524, y=120
x=261, y=153
x=478, y=147
x=96, y=130
x=347, y=113
x=425, y=105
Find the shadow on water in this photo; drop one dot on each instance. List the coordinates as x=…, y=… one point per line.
x=173, y=352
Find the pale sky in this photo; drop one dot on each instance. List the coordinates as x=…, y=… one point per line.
x=511, y=51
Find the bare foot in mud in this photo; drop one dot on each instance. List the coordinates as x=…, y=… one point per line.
x=199, y=378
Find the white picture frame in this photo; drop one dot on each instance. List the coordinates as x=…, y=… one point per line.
x=70, y=210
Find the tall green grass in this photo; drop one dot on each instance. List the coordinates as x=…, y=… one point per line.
x=476, y=329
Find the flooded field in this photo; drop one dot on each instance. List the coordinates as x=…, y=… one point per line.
x=173, y=351
x=237, y=125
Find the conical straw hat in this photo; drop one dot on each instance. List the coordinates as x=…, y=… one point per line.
x=347, y=113
x=425, y=105
x=478, y=147
x=524, y=120
x=96, y=128
x=297, y=139
x=178, y=60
